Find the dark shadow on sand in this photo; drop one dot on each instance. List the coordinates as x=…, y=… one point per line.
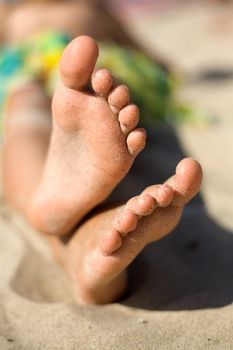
x=192, y=267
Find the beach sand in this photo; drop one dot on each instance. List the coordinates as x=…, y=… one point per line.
x=181, y=288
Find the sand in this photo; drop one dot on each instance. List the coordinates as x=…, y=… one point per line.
x=181, y=288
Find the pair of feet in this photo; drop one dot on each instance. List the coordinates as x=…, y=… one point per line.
x=93, y=144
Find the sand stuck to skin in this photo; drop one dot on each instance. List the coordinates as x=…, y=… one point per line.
x=181, y=288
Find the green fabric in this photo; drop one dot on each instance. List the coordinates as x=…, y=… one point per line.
x=152, y=88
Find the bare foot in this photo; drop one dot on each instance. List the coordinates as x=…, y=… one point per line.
x=93, y=144
x=98, y=254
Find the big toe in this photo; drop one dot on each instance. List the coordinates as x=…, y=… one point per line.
x=78, y=61
x=187, y=181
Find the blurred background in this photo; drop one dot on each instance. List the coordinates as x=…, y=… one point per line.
x=194, y=38
x=189, y=86
x=177, y=58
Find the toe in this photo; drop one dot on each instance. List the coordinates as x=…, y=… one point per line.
x=136, y=141
x=128, y=118
x=191, y=170
x=145, y=204
x=102, y=82
x=141, y=205
x=186, y=182
x=126, y=222
x=164, y=195
x=118, y=98
x=78, y=61
x=110, y=242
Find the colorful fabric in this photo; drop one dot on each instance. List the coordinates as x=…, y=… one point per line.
x=36, y=58
x=151, y=87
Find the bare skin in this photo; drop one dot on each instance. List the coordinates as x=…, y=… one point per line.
x=92, y=17
x=27, y=130
x=93, y=143
x=97, y=256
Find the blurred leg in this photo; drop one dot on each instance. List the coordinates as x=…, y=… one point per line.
x=27, y=128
